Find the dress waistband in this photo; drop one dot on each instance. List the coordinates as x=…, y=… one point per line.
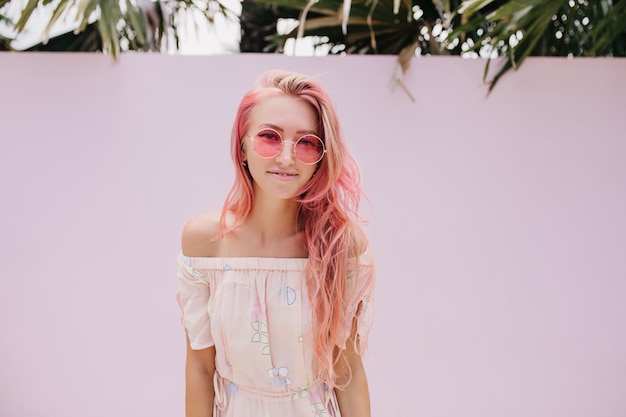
x=225, y=388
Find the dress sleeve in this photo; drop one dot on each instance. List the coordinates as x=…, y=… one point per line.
x=359, y=300
x=193, y=299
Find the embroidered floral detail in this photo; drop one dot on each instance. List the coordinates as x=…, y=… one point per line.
x=260, y=336
x=259, y=325
x=287, y=294
x=279, y=376
x=300, y=393
x=319, y=410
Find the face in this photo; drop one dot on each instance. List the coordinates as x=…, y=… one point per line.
x=284, y=175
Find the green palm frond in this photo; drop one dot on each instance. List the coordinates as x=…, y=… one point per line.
x=366, y=26
x=108, y=14
x=521, y=28
x=512, y=29
x=121, y=24
x=607, y=36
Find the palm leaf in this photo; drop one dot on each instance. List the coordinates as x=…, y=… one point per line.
x=110, y=15
x=117, y=20
x=25, y=15
x=59, y=11
x=608, y=30
x=136, y=22
x=370, y=27
x=546, y=27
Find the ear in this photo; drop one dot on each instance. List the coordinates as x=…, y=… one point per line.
x=243, y=152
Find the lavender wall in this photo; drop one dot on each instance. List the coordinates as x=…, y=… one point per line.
x=498, y=225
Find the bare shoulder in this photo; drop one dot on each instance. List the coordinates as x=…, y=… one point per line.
x=198, y=238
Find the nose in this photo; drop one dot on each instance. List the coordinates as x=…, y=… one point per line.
x=286, y=155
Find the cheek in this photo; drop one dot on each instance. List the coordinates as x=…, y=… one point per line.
x=256, y=166
x=311, y=173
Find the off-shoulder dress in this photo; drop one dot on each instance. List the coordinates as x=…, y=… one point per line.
x=257, y=314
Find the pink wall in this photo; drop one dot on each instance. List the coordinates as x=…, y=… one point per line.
x=499, y=228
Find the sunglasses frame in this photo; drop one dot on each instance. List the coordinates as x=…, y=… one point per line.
x=282, y=143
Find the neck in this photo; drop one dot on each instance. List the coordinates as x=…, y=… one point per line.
x=273, y=219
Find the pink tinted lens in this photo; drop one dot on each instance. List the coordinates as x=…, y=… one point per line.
x=309, y=149
x=267, y=143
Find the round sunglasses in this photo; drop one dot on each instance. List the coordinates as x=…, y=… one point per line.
x=268, y=143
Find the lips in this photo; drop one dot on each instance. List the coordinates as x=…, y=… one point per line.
x=283, y=174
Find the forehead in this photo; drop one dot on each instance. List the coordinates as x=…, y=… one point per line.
x=285, y=112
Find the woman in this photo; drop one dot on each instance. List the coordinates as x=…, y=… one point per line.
x=276, y=289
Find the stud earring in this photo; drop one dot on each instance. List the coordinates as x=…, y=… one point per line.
x=245, y=164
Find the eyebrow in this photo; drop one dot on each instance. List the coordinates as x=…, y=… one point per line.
x=281, y=130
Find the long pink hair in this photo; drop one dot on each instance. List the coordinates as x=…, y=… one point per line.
x=329, y=205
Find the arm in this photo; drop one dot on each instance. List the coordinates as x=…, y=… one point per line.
x=200, y=363
x=354, y=398
x=199, y=370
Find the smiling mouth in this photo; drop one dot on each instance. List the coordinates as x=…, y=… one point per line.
x=282, y=174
